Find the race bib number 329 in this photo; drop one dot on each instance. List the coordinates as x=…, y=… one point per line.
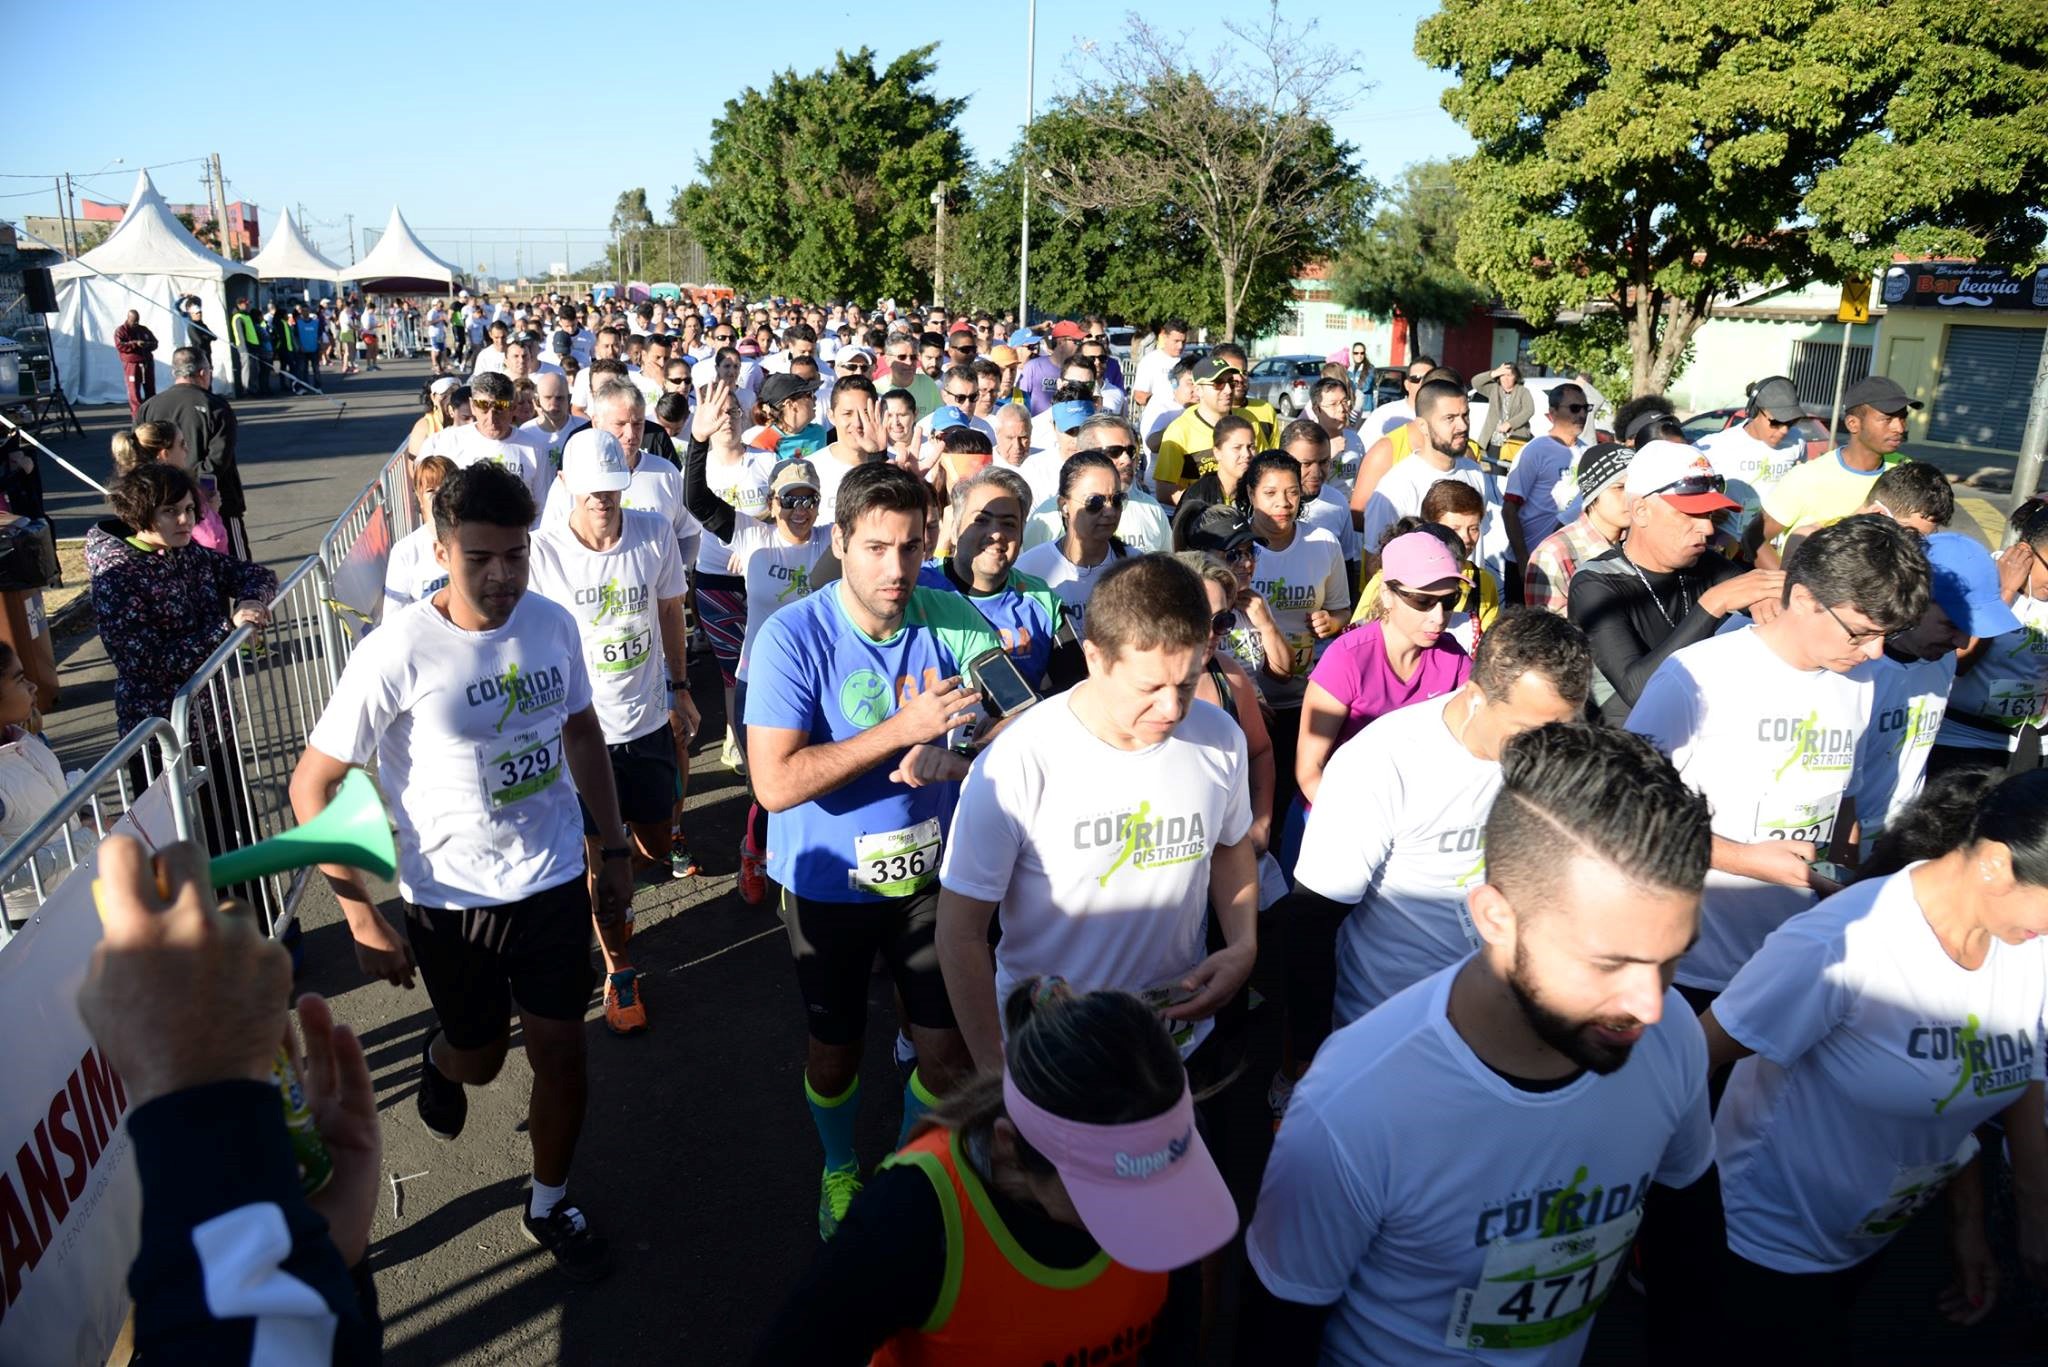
x=521, y=766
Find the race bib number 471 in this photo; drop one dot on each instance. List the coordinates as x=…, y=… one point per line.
x=1537, y=1292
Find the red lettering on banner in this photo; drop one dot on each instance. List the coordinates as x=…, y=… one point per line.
x=80, y=1120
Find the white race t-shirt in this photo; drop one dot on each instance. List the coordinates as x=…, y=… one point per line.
x=657, y=487
x=555, y=441
x=1772, y=748
x=412, y=573
x=777, y=573
x=489, y=361
x=1041, y=470
x=1401, y=490
x=1155, y=376
x=1876, y=1055
x=1398, y=831
x=2009, y=683
x=1308, y=575
x=1908, y=699
x=524, y=452
x=1545, y=477
x=1099, y=856
x=615, y=597
x=1069, y=582
x=466, y=729
x=1433, y=1203
x=1751, y=467
x=744, y=487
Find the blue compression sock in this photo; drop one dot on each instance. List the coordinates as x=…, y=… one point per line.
x=917, y=1100
x=833, y=1115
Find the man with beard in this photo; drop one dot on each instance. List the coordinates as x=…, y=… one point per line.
x=1445, y=414
x=1550, y=1078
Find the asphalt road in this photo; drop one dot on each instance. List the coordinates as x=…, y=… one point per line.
x=698, y=1158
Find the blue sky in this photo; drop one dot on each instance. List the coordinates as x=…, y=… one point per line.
x=409, y=102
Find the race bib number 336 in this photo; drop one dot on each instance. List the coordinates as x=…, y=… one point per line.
x=896, y=863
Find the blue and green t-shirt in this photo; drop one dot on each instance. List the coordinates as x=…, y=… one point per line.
x=1025, y=614
x=813, y=670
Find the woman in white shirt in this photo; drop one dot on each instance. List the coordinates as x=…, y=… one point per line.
x=1874, y=1034
x=1091, y=502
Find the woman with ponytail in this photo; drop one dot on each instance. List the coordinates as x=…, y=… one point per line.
x=149, y=443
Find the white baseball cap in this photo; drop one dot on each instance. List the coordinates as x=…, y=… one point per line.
x=593, y=462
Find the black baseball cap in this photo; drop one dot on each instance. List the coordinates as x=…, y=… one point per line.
x=1777, y=398
x=1881, y=392
x=1220, y=528
x=779, y=388
x=1210, y=369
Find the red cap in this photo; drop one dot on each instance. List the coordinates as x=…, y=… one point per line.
x=1064, y=329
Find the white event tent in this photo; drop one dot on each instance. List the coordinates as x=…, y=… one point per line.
x=401, y=264
x=147, y=263
x=289, y=256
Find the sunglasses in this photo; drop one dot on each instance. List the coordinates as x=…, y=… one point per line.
x=797, y=503
x=1222, y=622
x=490, y=405
x=1116, y=452
x=677, y=379
x=959, y=396
x=1413, y=379
x=858, y=366
x=1095, y=503
x=1425, y=603
x=1695, y=484
x=1247, y=554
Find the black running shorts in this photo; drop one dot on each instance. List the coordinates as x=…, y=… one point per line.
x=835, y=944
x=480, y=963
x=644, y=773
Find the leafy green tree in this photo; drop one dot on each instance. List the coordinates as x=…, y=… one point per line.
x=1137, y=264
x=820, y=186
x=1237, y=149
x=1657, y=154
x=1405, y=262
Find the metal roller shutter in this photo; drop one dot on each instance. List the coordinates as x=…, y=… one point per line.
x=1986, y=376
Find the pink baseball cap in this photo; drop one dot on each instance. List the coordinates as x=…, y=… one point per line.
x=1147, y=1190
x=1416, y=560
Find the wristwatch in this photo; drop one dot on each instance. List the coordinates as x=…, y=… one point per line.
x=674, y=684
x=615, y=852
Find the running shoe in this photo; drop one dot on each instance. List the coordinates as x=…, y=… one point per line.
x=443, y=1105
x=729, y=754
x=836, y=1191
x=680, y=861
x=906, y=1052
x=624, y=1012
x=581, y=1255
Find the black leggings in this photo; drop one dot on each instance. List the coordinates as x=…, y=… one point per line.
x=1803, y=1317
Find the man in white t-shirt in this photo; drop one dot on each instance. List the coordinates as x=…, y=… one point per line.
x=492, y=436
x=1393, y=845
x=1107, y=823
x=1329, y=407
x=1445, y=414
x=1910, y=681
x=473, y=702
x=1324, y=502
x=1542, y=488
x=1759, y=452
x=1462, y=1172
x=1152, y=380
x=1388, y=416
x=620, y=575
x=1766, y=721
x=609, y=343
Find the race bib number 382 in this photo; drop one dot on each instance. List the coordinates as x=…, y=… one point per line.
x=1537, y=1292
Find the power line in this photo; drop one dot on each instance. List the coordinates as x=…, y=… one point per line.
x=95, y=175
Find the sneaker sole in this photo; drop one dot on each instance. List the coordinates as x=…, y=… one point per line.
x=595, y=1273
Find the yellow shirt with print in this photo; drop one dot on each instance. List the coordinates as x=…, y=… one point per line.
x=1821, y=491
x=1185, y=445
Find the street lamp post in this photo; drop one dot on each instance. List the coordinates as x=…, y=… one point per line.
x=1024, y=228
x=939, y=244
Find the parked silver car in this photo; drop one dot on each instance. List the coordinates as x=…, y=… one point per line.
x=1284, y=382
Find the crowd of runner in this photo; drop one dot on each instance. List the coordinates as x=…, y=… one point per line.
x=1650, y=836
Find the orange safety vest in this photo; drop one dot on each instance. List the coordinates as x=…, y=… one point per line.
x=998, y=1305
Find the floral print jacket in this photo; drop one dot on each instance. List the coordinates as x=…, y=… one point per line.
x=161, y=613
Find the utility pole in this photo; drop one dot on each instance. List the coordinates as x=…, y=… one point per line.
x=1024, y=229
x=220, y=209
x=939, y=245
x=64, y=217
x=351, y=237
x=2026, y=477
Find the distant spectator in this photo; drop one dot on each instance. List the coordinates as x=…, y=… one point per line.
x=32, y=782
x=207, y=422
x=137, y=347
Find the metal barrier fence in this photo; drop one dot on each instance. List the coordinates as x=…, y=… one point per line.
x=235, y=732
x=242, y=722
x=68, y=834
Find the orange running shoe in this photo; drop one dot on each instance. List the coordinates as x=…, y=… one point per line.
x=624, y=1012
